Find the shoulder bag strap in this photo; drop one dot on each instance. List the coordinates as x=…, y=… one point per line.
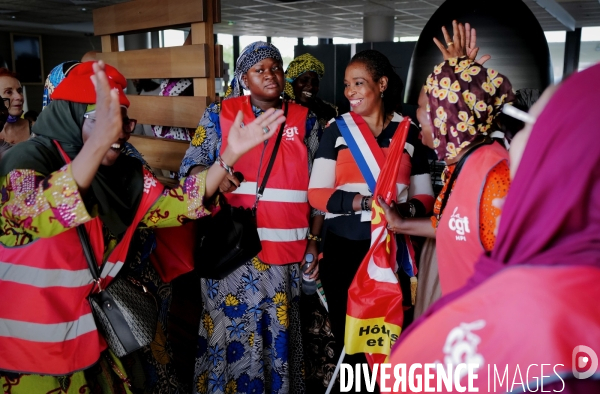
x=83, y=235
x=272, y=160
x=458, y=169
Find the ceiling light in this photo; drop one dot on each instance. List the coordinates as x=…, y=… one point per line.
x=230, y=23
x=84, y=9
x=13, y=17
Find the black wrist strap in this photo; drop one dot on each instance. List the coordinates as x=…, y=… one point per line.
x=263, y=185
x=458, y=169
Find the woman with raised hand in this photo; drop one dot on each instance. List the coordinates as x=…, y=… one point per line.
x=249, y=337
x=457, y=111
x=71, y=174
x=339, y=187
x=531, y=306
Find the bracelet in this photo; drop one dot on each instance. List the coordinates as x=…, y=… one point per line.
x=224, y=165
x=311, y=237
x=364, y=204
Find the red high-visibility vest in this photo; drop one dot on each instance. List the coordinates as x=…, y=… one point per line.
x=283, y=211
x=457, y=238
x=525, y=321
x=46, y=322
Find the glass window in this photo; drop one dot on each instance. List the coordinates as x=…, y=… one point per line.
x=227, y=41
x=556, y=44
x=342, y=40
x=311, y=40
x=173, y=38
x=286, y=47
x=247, y=40
x=589, y=52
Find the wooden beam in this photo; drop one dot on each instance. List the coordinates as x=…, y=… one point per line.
x=110, y=44
x=146, y=15
x=182, y=111
x=160, y=153
x=189, y=61
x=219, y=61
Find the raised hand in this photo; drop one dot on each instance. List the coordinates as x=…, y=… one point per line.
x=109, y=122
x=462, y=43
x=243, y=138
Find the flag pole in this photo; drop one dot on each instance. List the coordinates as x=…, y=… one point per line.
x=337, y=370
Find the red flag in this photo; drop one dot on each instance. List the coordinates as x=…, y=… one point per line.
x=374, y=312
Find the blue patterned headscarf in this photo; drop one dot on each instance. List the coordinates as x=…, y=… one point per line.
x=251, y=55
x=57, y=74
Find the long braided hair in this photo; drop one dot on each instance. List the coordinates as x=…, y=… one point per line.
x=379, y=66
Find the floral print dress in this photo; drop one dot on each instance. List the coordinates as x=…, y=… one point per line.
x=249, y=340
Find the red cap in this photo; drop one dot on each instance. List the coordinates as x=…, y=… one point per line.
x=77, y=87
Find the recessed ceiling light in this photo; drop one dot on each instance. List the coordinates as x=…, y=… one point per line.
x=84, y=9
x=13, y=17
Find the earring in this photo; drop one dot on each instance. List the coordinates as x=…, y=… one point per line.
x=381, y=94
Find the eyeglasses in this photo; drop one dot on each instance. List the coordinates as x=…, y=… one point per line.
x=128, y=123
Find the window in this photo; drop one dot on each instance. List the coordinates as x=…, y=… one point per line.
x=286, y=47
x=173, y=38
x=556, y=44
x=341, y=40
x=589, y=52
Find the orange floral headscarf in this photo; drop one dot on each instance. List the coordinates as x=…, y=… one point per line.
x=464, y=99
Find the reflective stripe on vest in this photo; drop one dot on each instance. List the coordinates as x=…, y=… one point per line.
x=46, y=325
x=282, y=234
x=42, y=278
x=53, y=333
x=283, y=211
x=274, y=195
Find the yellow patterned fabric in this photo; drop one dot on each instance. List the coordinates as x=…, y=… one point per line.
x=464, y=99
x=299, y=66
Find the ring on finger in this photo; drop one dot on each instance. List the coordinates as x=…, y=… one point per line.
x=450, y=43
x=266, y=129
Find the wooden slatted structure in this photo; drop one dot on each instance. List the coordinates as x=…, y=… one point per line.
x=201, y=61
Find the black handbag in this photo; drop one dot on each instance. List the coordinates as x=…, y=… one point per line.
x=125, y=312
x=230, y=238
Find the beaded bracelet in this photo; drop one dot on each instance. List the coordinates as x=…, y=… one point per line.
x=311, y=237
x=364, y=204
x=224, y=165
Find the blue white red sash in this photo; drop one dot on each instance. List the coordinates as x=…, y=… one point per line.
x=363, y=146
x=370, y=159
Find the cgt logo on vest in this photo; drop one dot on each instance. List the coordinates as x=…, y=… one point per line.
x=290, y=132
x=459, y=225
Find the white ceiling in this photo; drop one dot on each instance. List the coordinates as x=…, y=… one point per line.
x=322, y=18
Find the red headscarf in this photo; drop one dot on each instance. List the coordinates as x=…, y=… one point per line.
x=552, y=211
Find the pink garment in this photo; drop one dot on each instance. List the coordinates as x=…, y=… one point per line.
x=551, y=215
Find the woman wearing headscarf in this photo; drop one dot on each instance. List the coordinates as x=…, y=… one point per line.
x=457, y=110
x=249, y=337
x=532, y=302
x=73, y=174
x=303, y=77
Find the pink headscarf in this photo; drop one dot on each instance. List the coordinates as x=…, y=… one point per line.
x=552, y=210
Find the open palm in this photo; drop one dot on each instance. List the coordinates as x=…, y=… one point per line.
x=243, y=138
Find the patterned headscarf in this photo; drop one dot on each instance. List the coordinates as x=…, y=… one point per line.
x=251, y=55
x=55, y=77
x=299, y=66
x=464, y=99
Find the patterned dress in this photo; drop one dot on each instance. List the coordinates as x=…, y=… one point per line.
x=22, y=223
x=249, y=338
